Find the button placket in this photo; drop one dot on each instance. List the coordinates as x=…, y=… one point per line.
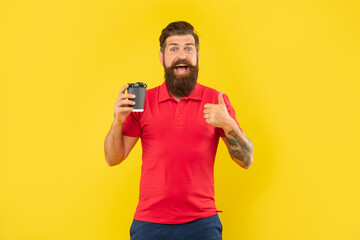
x=179, y=114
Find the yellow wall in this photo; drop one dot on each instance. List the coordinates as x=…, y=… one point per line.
x=290, y=68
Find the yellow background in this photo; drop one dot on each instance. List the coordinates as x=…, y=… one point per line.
x=290, y=68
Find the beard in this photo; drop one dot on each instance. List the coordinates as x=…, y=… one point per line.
x=181, y=86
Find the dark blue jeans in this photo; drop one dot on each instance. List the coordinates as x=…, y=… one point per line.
x=201, y=229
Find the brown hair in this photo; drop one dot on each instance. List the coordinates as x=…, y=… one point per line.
x=177, y=28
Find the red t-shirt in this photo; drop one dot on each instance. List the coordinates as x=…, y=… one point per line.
x=179, y=148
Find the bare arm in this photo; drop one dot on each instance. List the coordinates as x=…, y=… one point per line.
x=117, y=146
x=239, y=146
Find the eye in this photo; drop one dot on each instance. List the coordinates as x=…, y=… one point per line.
x=189, y=49
x=172, y=49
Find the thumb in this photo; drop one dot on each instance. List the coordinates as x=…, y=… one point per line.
x=221, y=98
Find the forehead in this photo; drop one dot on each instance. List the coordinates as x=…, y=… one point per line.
x=180, y=39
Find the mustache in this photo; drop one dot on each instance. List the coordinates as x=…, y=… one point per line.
x=182, y=61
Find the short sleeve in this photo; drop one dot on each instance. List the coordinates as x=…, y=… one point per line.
x=231, y=112
x=132, y=125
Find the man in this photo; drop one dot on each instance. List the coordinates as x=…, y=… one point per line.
x=179, y=130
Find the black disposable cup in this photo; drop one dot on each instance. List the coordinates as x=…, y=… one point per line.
x=139, y=90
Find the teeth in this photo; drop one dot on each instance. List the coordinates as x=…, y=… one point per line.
x=181, y=65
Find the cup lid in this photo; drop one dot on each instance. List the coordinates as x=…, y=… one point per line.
x=137, y=85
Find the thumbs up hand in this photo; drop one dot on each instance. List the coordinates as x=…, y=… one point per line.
x=217, y=114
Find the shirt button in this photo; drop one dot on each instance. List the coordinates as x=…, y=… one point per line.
x=178, y=118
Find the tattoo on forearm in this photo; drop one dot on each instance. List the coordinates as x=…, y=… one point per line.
x=239, y=147
x=232, y=142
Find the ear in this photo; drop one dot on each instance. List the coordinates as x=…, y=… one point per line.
x=161, y=58
x=198, y=55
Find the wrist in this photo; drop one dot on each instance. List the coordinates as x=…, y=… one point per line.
x=230, y=125
x=117, y=123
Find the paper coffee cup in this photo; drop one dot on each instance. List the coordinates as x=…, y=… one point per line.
x=139, y=90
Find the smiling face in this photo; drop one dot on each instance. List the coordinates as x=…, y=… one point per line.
x=179, y=47
x=180, y=61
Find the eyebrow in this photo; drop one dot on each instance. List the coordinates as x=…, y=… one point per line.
x=178, y=44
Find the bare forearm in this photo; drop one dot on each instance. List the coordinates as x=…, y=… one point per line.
x=114, y=145
x=240, y=147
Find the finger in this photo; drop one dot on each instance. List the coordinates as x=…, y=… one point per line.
x=125, y=102
x=126, y=109
x=122, y=90
x=206, y=116
x=207, y=110
x=209, y=105
x=124, y=96
x=129, y=95
x=221, y=98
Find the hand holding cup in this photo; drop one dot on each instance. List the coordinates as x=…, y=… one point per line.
x=122, y=109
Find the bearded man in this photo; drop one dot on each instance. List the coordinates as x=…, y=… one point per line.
x=180, y=129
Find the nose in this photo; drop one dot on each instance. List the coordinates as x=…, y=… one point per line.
x=181, y=56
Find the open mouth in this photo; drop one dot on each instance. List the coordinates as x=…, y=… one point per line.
x=181, y=69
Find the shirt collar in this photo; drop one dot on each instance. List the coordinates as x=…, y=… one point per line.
x=165, y=95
